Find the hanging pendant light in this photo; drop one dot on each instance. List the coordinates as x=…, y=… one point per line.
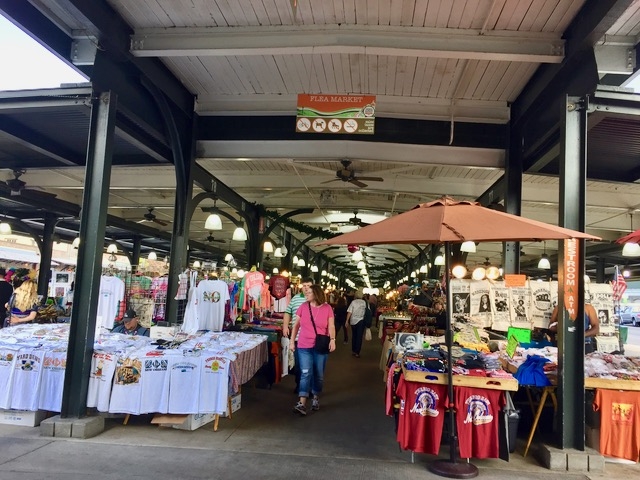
x=152, y=255
x=239, y=234
x=357, y=256
x=439, y=260
x=213, y=221
x=267, y=247
x=468, y=246
x=112, y=248
x=631, y=249
x=76, y=242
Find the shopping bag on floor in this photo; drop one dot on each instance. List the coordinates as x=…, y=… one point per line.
x=367, y=334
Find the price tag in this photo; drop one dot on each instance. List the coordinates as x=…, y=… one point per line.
x=512, y=345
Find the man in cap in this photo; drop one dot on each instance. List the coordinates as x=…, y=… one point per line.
x=130, y=325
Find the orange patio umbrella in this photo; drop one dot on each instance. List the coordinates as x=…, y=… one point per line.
x=448, y=221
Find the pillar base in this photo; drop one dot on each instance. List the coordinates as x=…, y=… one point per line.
x=85, y=427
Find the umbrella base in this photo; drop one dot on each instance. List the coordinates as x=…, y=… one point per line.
x=450, y=469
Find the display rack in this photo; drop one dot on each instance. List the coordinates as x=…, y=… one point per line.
x=612, y=384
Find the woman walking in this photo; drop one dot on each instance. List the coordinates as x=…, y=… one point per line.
x=312, y=363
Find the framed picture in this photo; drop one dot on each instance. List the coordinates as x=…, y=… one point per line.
x=408, y=341
x=62, y=278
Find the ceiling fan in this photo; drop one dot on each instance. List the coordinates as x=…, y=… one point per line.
x=347, y=174
x=210, y=238
x=355, y=220
x=151, y=217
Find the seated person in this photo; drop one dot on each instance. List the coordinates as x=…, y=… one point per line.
x=440, y=314
x=130, y=325
x=424, y=298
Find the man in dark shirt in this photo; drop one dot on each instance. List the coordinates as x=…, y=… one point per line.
x=5, y=293
x=424, y=298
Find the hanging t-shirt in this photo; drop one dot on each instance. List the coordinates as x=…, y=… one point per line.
x=155, y=382
x=111, y=294
x=278, y=286
x=7, y=366
x=214, y=384
x=27, y=373
x=477, y=421
x=422, y=412
x=212, y=296
x=185, y=383
x=127, y=386
x=52, y=382
x=103, y=366
x=619, y=424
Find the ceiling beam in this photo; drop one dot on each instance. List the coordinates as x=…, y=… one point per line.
x=506, y=46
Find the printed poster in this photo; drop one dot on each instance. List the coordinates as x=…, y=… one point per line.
x=460, y=304
x=481, y=308
x=602, y=300
x=541, y=306
x=500, y=301
x=520, y=306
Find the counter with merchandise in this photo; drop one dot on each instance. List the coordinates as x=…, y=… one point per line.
x=184, y=374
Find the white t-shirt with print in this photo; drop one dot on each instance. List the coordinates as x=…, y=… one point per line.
x=212, y=297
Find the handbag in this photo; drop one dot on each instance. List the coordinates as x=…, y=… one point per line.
x=6, y=322
x=322, y=341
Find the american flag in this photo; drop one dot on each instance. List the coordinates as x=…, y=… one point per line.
x=619, y=285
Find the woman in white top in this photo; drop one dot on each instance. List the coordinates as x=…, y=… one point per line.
x=355, y=317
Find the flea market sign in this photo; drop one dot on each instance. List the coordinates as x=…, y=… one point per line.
x=336, y=114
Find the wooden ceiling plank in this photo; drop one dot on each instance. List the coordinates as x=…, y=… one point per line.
x=444, y=14
x=506, y=14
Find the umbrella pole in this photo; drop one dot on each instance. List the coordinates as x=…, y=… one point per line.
x=451, y=468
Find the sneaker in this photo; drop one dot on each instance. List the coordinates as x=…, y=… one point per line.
x=315, y=403
x=300, y=408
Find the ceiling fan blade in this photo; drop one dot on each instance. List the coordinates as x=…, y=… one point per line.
x=219, y=241
x=160, y=222
x=358, y=183
x=144, y=220
x=329, y=181
x=371, y=179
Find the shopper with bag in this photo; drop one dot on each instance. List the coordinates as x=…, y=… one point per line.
x=316, y=334
x=355, y=317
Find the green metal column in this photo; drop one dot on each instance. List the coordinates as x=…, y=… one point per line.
x=44, y=275
x=135, y=251
x=89, y=268
x=570, y=429
x=513, y=196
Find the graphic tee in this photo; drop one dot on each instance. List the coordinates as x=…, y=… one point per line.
x=7, y=366
x=214, y=383
x=127, y=386
x=103, y=366
x=212, y=297
x=278, y=285
x=155, y=382
x=185, y=384
x=52, y=382
x=619, y=423
x=422, y=412
x=27, y=373
x=477, y=421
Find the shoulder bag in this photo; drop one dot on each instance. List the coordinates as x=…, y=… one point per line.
x=322, y=341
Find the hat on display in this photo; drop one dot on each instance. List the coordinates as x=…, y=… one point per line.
x=129, y=314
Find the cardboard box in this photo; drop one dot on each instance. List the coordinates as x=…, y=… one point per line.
x=184, y=422
x=592, y=439
x=236, y=403
x=24, y=418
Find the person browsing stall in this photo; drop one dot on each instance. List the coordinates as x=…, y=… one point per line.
x=315, y=311
x=130, y=325
x=424, y=298
x=23, y=304
x=591, y=325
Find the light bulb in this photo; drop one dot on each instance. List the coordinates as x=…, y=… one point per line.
x=493, y=273
x=459, y=271
x=267, y=247
x=479, y=273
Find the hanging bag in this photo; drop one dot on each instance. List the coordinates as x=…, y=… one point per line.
x=322, y=341
x=368, y=315
x=7, y=319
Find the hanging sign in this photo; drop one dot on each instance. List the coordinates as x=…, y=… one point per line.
x=570, y=285
x=512, y=346
x=336, y=114
x=515, y=280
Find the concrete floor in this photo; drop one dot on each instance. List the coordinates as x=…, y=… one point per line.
x=350, y=437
